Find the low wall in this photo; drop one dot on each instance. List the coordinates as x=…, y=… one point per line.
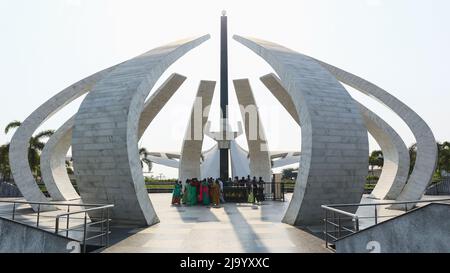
x=9, y=190
x=16, y=237
x=426, y=229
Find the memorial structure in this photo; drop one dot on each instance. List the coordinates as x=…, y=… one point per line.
x=104, y=135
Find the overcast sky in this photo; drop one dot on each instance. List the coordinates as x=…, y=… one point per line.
x=400, y=45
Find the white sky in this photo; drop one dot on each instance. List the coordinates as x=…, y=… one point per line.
x=400, y=45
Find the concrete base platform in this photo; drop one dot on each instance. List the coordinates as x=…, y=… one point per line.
x=232, y=228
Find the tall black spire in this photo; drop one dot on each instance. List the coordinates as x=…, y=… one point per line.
x=223, y=93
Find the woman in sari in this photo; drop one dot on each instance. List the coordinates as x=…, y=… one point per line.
x=184, y=198
x=176, y=196
x=191, y=194
x=204, y=192
x=215, y=193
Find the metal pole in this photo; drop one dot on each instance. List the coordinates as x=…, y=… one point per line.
x=38, y=214
x=67, y=219
x=84, y=232
x=107, y=226
x=376, y=215
x=339, y=226
x=356, y=224
x=223, y=93
x=14, y=211
x=57, y=225
x=334, y=224
x=102, y=231
x=326, y=228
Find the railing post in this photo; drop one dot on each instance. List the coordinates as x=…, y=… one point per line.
x=339, y=227
x=38, y=214
x=356, y=224
x=376, y=215
x=84, y=232
x=57, y=225
x=334, y=224
x=107, y=226
x=14, y=211
x=67, y=221
x=102, y=227
x=406, y=207
x=326, y=228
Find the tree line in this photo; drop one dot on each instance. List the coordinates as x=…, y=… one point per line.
x=376, y=160
x=36, y=145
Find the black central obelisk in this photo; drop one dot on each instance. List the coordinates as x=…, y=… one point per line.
x=223, y=93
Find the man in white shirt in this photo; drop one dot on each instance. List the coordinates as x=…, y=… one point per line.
x=221, y=191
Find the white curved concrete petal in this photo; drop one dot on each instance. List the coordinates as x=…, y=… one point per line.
x=53, y=164
x=288, y=159
x=396, y=156
x=18, y=151
x=158, y=99
x=334, y=160
x=164, y=161
x=240, y=164
x=426, y=143
x=210, y=164
x=53, y=167
x=257, y=146
x=104, y=145
x=191, y=151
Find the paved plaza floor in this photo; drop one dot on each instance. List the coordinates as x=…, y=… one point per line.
x=232, y=228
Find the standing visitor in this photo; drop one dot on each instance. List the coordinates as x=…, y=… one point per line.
x=254, y=189
x=221, y=191
x=184, y=199
x=204, y=192
x=242, y=181
x=176, y=196
x=210, y=188
x=196, y=184
x=192, y=194
x=215, y=193
x=261, y=189
x=236, y=181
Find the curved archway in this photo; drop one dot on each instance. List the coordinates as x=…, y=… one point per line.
x=396, y=156
x=55, y=150
x=426, y=144
x=18, y=151
x=105, y=136
x=334, y=162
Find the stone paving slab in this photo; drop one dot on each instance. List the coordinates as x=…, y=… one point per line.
x=232, y=228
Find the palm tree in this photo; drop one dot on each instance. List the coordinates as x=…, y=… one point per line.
x=35, y=148
x=69, y=166
x=5, y=171
x=289, y=173
x=376, y=159
x=443, y=157
x=143, y=153
x=412, y=157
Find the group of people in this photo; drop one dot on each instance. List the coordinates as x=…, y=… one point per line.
x=206, y=192
x=255, y=188
x=210, y=191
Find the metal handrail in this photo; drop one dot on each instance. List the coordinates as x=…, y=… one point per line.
x=85, y=210
x=338, y=227
x=386, y=203
x=90, y=208
x=51, y=203
x=85, y=225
